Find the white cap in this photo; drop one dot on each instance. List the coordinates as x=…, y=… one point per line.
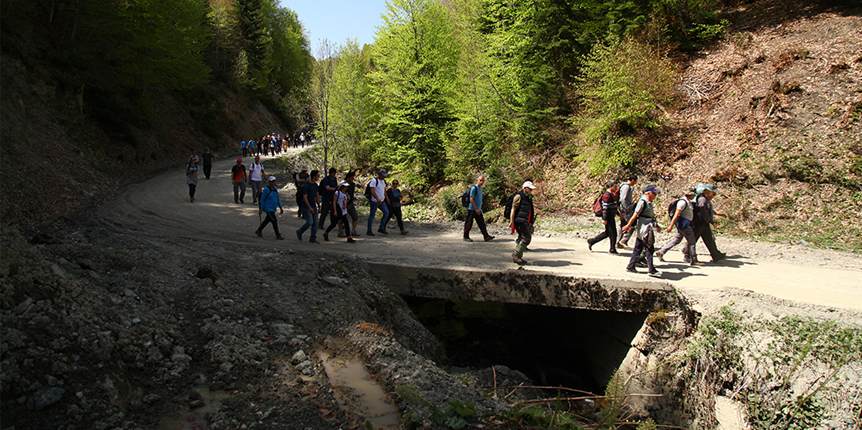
x=529, y=185
x=271, y=178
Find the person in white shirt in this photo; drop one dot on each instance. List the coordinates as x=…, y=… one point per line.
x=255, y=179
x=378, y=200
x=339, y=209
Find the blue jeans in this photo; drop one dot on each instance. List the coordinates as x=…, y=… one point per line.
x=383, y=209
x=310, y=221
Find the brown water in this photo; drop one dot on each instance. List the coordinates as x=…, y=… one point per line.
x=193, y=419
x=368, y=397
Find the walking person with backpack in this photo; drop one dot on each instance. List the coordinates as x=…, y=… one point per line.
x=704, y=219
x=268, y=202
x=237, y=177
x=208, y=162
x=339, y=212
x=256, y=174
x=522, y=216
x=627, y=208
x=310, y=207
x=192, y=178
x=376, y=193
x=351, y=207
x=609, y=204
x=644, y=214
x=328, y=187
x=474, y=211
x=682, y=212
x=393, y=196
x=299, y=180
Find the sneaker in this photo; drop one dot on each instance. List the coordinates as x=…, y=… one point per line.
x=654, y=274
x=467, y=239
x=719, y=258
x=590, y=245
x=193, y=200
x=631, y=270
x=350, y=240
x=489, y=238
x=641, y=264
x=313, y=240
x=369, y=233
x=242, y=201
x=518, y=260
x=382, y=231
x=341, y=234
x=621, y=245
x=613, y=251
x=326, y=237
x=279, y=237
x=258, y=233
x=354, y=233
x=299, y=235
x=660, y=256
x=697, y=263
x=404, y=232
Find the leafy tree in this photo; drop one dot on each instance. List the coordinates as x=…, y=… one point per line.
x=257, y=43
x=353, y=113
x=322, y=84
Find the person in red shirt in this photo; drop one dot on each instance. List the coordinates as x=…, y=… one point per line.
x=237, y=176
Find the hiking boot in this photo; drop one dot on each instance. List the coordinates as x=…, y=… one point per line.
x=326, y=237
x=404, y=232
x=382, y=231
x=518, y=260
x=719, y=258
x=299, y=235
x=258, y=233
x=654, y=274
x=467, y=239
x=369, y=233
x=350, y=240
x=354, y=233
x=489, y=238
x=279, y=237
x=660, y=256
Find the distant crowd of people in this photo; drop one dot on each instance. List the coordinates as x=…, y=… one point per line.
x=692, y=214
x=274, y=144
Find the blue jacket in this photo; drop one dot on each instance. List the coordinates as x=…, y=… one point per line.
x=269, y=200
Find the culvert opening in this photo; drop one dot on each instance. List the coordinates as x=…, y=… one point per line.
x=553, y=346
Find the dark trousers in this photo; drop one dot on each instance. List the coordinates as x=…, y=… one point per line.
x=326, y=210
x=480, y=221
x=192, y=190
x=395, y=212
x=705, y=232
x=344, y=223
x=641, y=246
x=270, y=218
x=244, y=152
x=610, y=232
x=208, y=168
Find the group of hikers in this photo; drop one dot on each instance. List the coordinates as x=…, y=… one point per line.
x=274, y=144
x=692, y=214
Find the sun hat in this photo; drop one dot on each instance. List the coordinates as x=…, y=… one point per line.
x=652, y=189
x=529, y=184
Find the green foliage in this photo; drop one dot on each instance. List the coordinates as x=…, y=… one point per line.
x=624, y=86
x=256, y=43
x=615, y=398
x=546, y=418
x=649, y=424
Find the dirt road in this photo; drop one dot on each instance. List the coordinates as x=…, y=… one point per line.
x=160, y=208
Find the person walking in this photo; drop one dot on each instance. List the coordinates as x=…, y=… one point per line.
x=192, y=178
x=328, y=187
x=393, y=196
x=310, y=207
x=626, y=209
x=351, y=207
x=255, y=179
x=682, y=218
x=268, y=202
x=644, y=214
x=474, y=211
x=339, y=207
x=522, y=219
x=299, y=180
x=208, y=163
x=237, y=176
x=251, y=147
x=705, y=218
x=609, y=212
x=244, y=149
x=378, y=200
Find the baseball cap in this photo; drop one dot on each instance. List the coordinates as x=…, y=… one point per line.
x=382, y=172
x=344, y=184
x=271, y=178
x=304, y=168
x=611, y=183
x=239, y=159
x=710, y=187
x=529, y=185
x=653, y=189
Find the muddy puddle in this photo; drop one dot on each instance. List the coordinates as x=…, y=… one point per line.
x=193, y=419
x=357, y=390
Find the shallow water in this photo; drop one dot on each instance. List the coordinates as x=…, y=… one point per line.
x=371, y=400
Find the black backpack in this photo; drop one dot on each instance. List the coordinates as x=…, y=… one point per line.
x=465, y=198
x=507, y=212
x=671, y=209
x=368, y=190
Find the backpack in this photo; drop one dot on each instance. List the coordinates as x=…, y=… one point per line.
x=507, y=212
x=597, y=205
x=671, y=209
x=465, y=198
x=368, y=190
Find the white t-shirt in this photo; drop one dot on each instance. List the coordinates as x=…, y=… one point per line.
x=255, y=171
x=341, y=201
x=379, y=187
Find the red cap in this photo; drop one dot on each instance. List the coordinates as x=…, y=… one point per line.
x=239, y=159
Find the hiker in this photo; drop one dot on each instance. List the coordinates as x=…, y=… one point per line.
x=192, y=178
x=328, y=186
x=268, y=202
x=474, y=211
x=194, y=157
x=299, y=180
x=393, y=196
x=609, y=212
x=251, y=146
x=627, y=208
x=682, y=218
x=237, y=176
x=310, y=207
x=208, y=162
x=255, y=179
x=522, y=218
x=244, y=148
x=339, y=208
x=706, y=217
x=644, y=214
x=351, y=207
x=378, y=200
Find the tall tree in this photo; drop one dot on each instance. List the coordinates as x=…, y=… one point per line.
x=353, y=111
x=322, y=83
x=257, y=43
